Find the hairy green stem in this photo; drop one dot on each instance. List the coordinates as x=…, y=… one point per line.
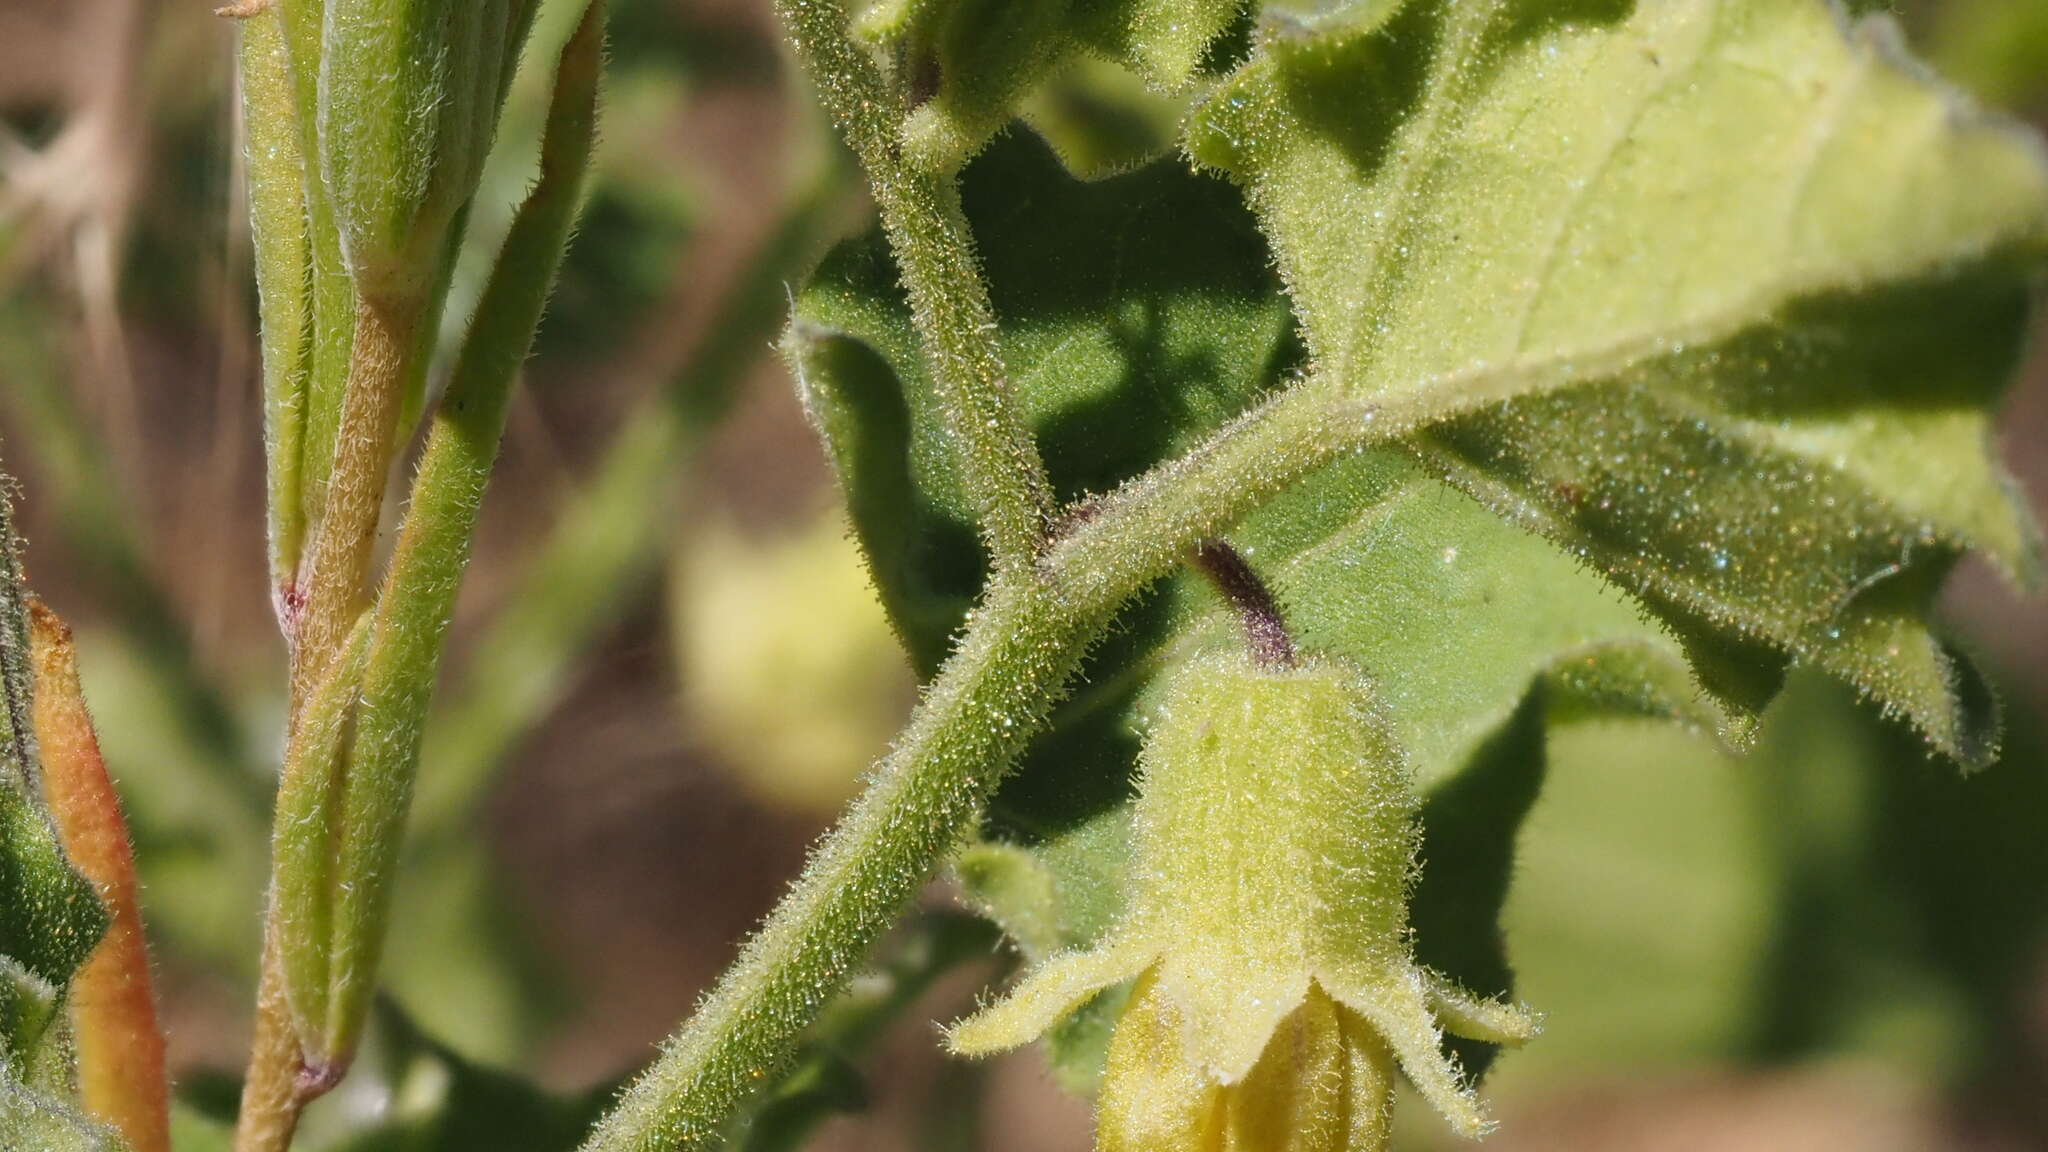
x=1022, y=647
x=338, y=563
x=418, y=597
x=920, y=210
x=930, y=946
x=984, y=704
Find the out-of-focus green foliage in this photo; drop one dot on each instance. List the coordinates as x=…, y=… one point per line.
x=1996, y=48
x=1832, y=892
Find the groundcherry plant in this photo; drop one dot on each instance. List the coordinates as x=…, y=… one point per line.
x=1240, y=473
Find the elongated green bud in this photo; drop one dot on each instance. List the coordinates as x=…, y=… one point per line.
x=279, y=234
x=303, y=842
x=410, y=92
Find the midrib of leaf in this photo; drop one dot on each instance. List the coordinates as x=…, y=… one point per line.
x=1417, y=159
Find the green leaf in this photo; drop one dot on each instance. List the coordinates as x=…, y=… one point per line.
x=1102, y=120
x=50, y=916
x=1770, y=275
x=1514, y=185
x=34, y=1119
x=1998, y=48
x=1137, y=314
x=28, y=1005
x=1470, y=830
x=1375, y=559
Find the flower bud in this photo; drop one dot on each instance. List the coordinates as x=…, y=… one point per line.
x=410, y=92
x=1268, y=928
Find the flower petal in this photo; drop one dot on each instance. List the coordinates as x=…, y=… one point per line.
x=1369, y=1084
x=1295, y=1097
x=1153, y=1099
x=1229, y=1002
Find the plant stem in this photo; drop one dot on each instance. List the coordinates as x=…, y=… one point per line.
x=920, y=210
x=981, y=709
x=418, y=597
x=1022, y=645
x=992, y=695
x=334, y=584
x=290, y=1065
x=269, y=1112
x=1265, y=629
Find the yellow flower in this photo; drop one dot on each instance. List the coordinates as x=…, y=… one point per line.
x=1275, y=849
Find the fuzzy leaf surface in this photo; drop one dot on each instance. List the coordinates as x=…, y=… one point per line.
x=30, y=1118
x=1731, y=285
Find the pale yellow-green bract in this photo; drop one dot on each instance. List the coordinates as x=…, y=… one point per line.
x=1268, y=917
